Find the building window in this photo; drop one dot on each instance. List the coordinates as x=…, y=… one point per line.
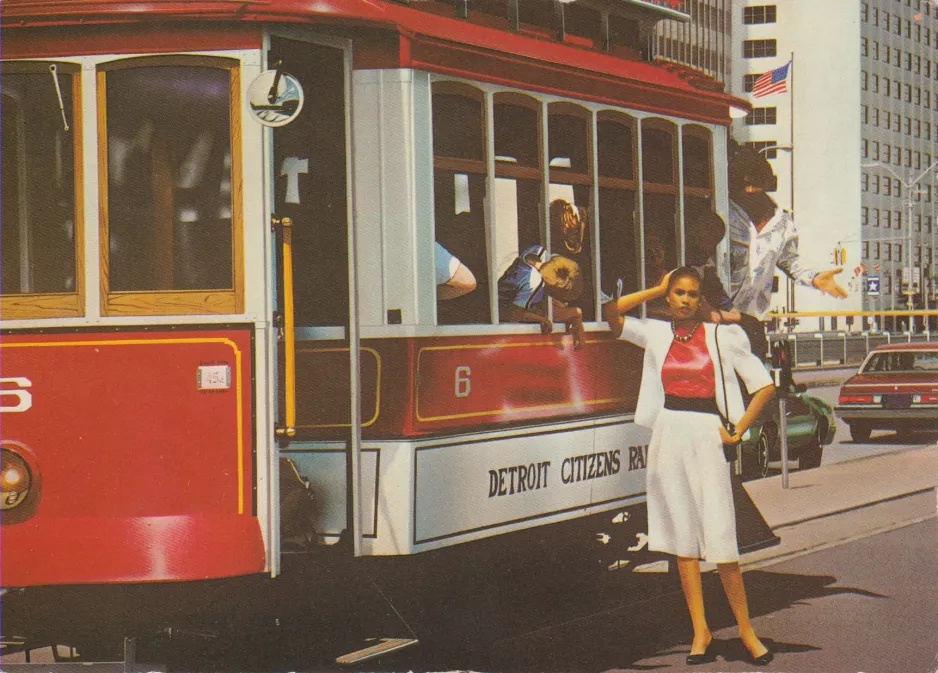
x=760, y=145
x=761, y=115
x=865, y=215
x=887, y=252
x=865, y=113
x=875, y=217
x=875, y=87
x=864, y=81
x=866, y=249
x=876, y=250
x=887, y=219
x=759, y=48
x=864, y=46
x=759, y=14
x=875, y=116
x=749, y=81
x=42, y=227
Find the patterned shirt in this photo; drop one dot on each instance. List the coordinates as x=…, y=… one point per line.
x=755, y=254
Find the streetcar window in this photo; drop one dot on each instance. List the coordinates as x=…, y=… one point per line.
x=701, y=228
x=518, y=176
x=695, y=142
x=459, y=194
x=569, y=193
x=169, y=212
x=617, y=233
x=659, y=195
x=40, y=222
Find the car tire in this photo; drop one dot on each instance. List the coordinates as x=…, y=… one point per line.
x=860, y=432
x=905, y=432
x=757, y=465
x=812, y=454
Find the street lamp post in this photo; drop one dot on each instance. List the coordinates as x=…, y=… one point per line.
x=910, y=192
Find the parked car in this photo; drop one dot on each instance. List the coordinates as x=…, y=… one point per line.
x=896, y=388
x=810, y=424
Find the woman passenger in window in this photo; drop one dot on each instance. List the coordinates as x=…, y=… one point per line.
x=569, y=235
x=531, y=277
x=689, y=380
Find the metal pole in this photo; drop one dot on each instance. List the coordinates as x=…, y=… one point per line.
x=783, y=437
x=909, y=305
x=790, y=283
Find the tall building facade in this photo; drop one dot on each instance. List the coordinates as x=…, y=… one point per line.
x=854, y=130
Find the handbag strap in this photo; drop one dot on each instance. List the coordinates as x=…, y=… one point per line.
x=726, y=402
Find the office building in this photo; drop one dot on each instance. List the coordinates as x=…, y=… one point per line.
x=853, y=131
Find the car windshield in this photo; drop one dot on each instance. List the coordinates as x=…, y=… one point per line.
x=903, y=361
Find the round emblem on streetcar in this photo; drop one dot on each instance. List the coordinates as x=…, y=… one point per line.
x=275, y=98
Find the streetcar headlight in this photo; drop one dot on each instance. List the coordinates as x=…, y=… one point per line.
x=15, y=479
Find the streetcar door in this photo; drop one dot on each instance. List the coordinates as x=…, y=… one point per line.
x=310, y=196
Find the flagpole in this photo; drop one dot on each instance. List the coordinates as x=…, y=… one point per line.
x=791, y=153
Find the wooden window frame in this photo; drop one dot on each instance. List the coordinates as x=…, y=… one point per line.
x=57, y=304
x=518, y=171
x=672, y=129
x=626, y=121
x=175, y=302
x=570, y=176
x=704, y=134
x=462, y=164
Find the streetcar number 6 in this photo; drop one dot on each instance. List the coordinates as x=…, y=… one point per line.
x=24, y=397
x=463, y=384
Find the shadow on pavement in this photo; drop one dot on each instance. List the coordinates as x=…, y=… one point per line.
x=622, y=627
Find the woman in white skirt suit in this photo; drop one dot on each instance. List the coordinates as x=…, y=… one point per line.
x=690, y=500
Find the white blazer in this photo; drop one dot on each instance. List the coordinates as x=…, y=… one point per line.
x=655, y=337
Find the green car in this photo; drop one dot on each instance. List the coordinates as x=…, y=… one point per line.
x=810, y=427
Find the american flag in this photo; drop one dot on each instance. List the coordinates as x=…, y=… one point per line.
x=774, y=81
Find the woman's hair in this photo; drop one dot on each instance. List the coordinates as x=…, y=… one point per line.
x=683, y=272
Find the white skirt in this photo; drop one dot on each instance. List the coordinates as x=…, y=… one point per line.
x=690, y=498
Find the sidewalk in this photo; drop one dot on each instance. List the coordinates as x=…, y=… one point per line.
x=843, y=501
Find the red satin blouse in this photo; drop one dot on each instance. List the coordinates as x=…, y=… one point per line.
x=688, y=369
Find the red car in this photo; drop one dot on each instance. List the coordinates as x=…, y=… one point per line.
x=896, y=388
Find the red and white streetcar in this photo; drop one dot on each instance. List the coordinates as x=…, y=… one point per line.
x=219, y=228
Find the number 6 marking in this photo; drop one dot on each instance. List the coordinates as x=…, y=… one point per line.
x=24, y=396
x=463, y=384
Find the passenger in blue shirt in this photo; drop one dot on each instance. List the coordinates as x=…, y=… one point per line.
x=533, y=276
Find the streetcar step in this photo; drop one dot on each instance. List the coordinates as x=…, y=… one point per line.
x=383, y=646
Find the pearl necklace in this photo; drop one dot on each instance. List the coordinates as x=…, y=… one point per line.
x=687, y=337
